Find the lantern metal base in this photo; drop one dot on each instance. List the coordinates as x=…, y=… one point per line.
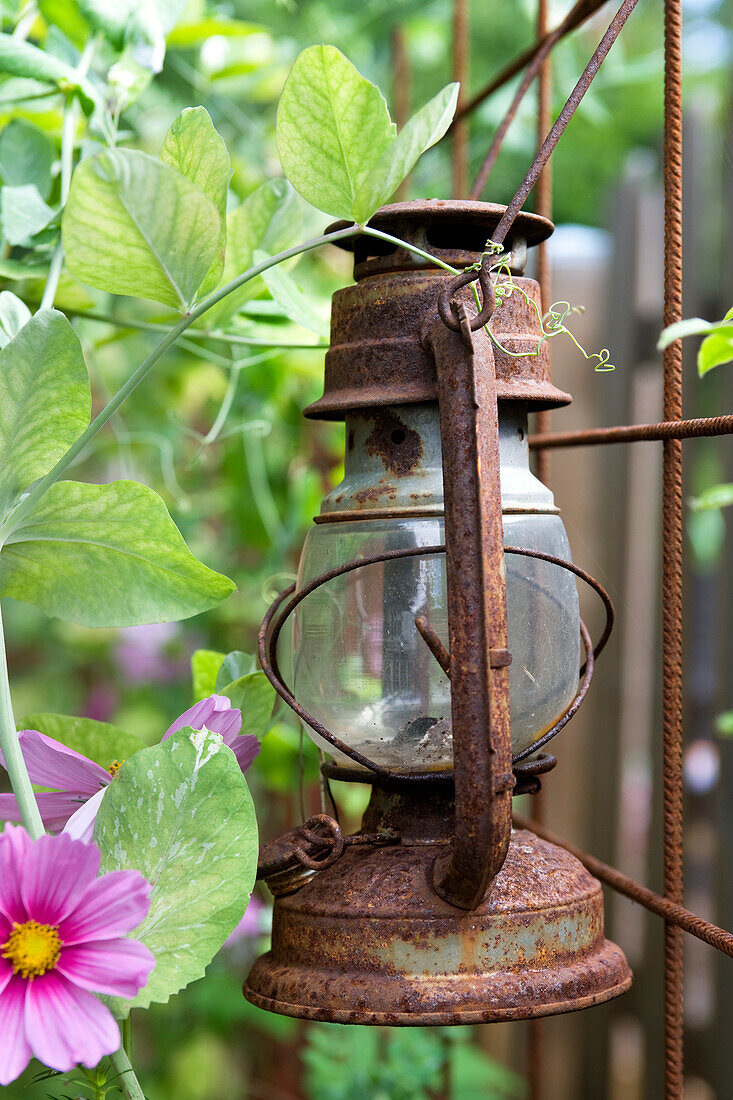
x=367, y=941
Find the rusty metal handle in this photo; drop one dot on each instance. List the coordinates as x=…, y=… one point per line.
x=482, y=754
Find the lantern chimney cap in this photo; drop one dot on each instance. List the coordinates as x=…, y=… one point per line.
x=453, y=230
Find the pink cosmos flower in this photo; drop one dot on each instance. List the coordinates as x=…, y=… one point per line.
x=62, y=939
x=79, y=784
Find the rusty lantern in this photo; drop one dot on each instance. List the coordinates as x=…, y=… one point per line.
x=435, y=651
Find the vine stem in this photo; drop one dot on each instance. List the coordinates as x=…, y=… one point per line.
x=68, y=135
x=29, y=501
x=126, y=1082
x=12, y=756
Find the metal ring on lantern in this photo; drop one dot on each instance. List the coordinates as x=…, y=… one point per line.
x=273, y=623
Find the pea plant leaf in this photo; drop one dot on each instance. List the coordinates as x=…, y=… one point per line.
x=717, y=347
x=337, y=144
x=106, y=555
x=21, y=59
x=205, y=664
x=272, y=217
x=23, y=213
x=332, y=127
x=181, y=813
x=397, y=161
x=26, y=156
x=717, y=496
x=14, y=313
x=133, y=225
x=196, y=149
x=100, y=741
x=296, y=305
x=255, y=697
x=44, y=396
x=232, y=666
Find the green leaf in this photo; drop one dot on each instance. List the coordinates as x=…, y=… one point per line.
x=706, y=532
x=255, y=697
x=235, y=664
x=186, y=35
x=19, y=58
x=397, y=161
x=135, y=226
x=23, y=213
x=195, y=148
x=101, y=742
x=137, y=21
x=332, y=127
x=268, y=219
x=717, y=496
x=715, y=350
x=693, y=326
x=181, y=813
x=106, y=555
x=44, y=401
x=26, y=156
x=724, y=724
x=205, y=664
x=296, y=305
x=14, y=313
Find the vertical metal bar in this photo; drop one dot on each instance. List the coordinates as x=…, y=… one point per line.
x=461, y=56
x=477, y=624
x=672, y=551
x=543, y=206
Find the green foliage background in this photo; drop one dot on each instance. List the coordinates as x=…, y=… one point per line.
x=217, y=430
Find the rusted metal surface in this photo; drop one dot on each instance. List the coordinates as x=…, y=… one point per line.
x=434, y=644
x=477, y=623
x=395, y=443
x=367, y=941
x=575, y=17
x=672, y=536
x=376, y=357
x=562, y=120
x=454, y=231
x=671, y=911
x=635, y=433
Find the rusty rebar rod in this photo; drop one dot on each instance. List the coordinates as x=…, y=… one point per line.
x=674, y=913
x=558, y=128
x=461, y=62
x=579, y=14
x=635, y=433
x=672, y=555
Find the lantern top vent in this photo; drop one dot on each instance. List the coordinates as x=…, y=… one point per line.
x=454, y=231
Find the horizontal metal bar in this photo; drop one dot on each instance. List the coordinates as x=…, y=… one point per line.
x=634, y=433
x=655, y=903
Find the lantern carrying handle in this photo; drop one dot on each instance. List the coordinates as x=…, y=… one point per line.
x=477, y=617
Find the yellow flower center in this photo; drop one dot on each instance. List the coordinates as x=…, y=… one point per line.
x=115, y=767
x=32, y=948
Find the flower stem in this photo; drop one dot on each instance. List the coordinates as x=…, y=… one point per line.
x=13, y=757
x=127, y=1082
x=31, y=499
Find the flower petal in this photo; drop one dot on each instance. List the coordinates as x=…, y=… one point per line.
x=66, y=1025
x=245, y=748
x=216, y=713
x=118, y=967
x=53, y=765
x=56, y=874
x=15, y=1052
x=6, y=971
x=80, y=825
x=111, y=906
x=15, y=844
x=55, y=808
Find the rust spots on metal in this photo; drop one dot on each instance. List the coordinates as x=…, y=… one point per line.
x=375, y=492
x=398, y=446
